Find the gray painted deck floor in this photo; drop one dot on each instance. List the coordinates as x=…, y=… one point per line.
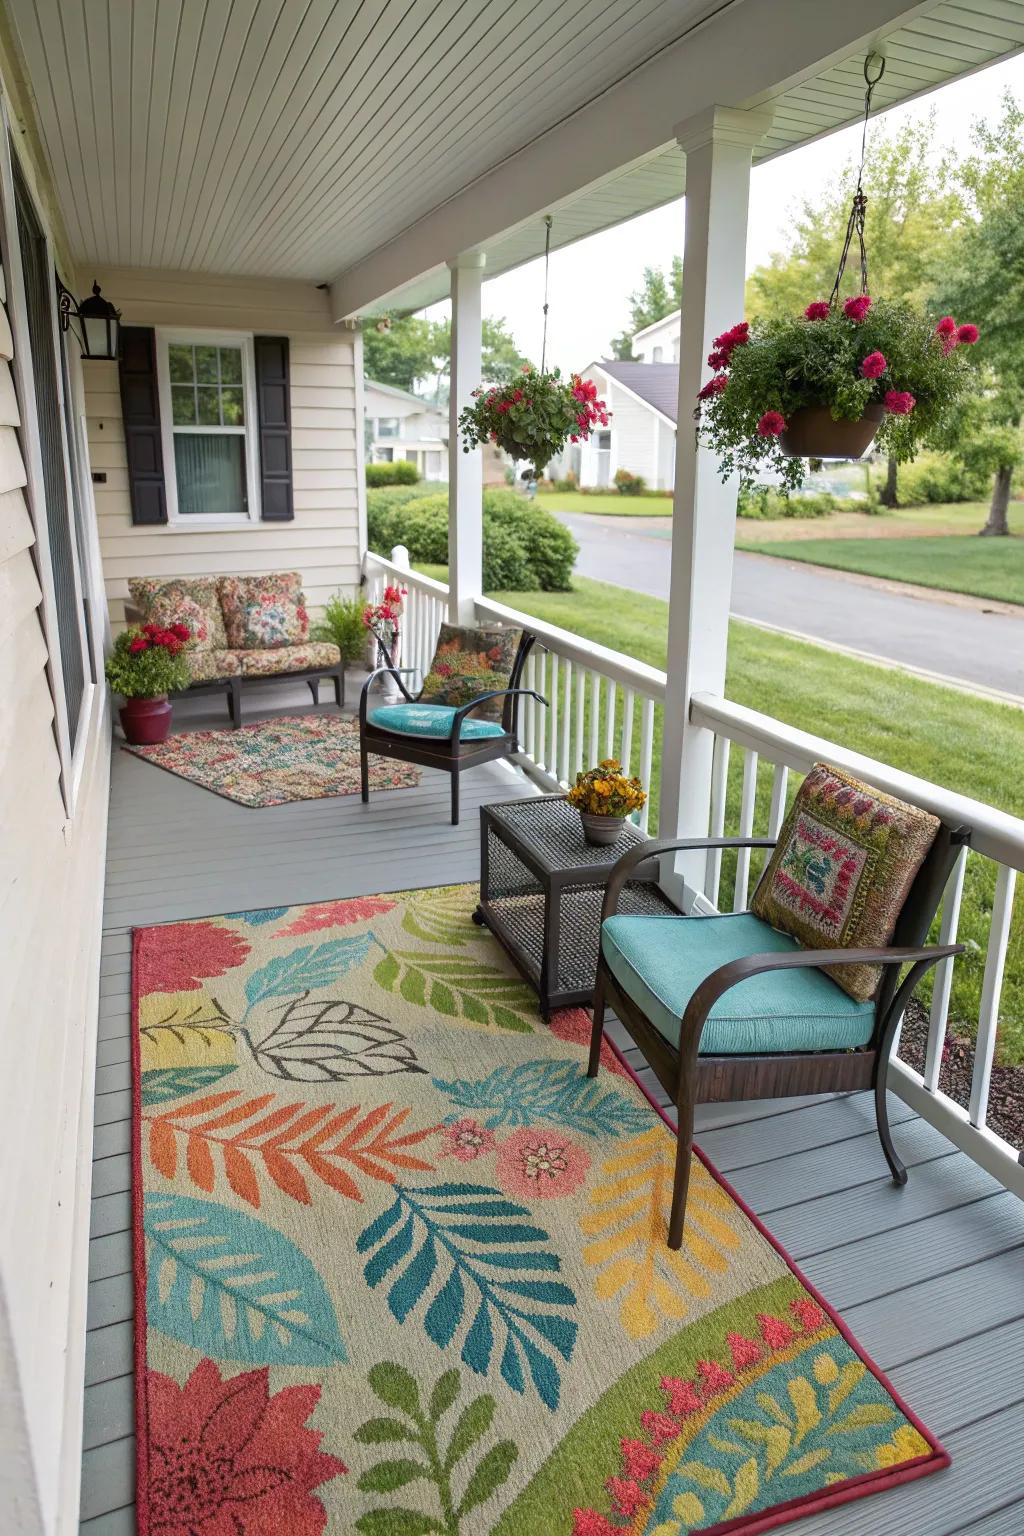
x=929, y=1278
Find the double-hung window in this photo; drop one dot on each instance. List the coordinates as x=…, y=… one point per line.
x=387, y=426
x=208, y=411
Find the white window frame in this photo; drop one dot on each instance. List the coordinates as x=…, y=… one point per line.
x=194, y=336
x=389, y=437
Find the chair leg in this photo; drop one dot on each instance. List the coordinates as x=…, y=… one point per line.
x=892, y=1157
x=339, y=687
x=364, y=774
x=681, y=1184
x=455, y=797
x=597, y=1033
x=314, y=688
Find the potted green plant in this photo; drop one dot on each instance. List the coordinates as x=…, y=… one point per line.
x=533, y=417
x=146, y=664
x=604, y=797
x=825, y=385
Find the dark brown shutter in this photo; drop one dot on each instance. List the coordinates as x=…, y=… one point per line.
x=274, y=400
x=140, y=408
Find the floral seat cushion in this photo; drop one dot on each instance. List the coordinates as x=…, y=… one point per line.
x=430, y=720
x=193, y=601
x=469, y=662
x=264, y=612
x=207, y=666
x=841, y=870
x=289, y=658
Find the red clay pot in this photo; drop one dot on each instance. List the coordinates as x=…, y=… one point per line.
x=146, y=721
x=812, y=434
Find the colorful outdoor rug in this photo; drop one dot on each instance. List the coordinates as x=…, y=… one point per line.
x=401, y=1266
x=271, y=762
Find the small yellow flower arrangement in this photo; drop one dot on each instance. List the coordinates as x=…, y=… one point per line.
x=604, y=797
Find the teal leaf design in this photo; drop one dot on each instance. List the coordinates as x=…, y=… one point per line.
x=259, y=917
x=424, y=1427
x=235, y=1288
x=163, y=1083
x=549, y=1093
x=307, y=968
x=482, y=1273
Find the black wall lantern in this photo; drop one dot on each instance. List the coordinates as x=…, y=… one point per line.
x=99, y=322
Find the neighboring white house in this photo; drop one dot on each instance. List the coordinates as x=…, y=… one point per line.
x=402, y=426
x=641, y=435
x=658, y=343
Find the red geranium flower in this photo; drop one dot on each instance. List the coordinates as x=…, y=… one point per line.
x=140, y=643
x=967, y=334
x=181, y=632
x=771, y=424
x=856, y=309
x=946, y=326
x=819, y=310
x=227, y=1457
x=175, y=957
x=713, y=386
x=719, y=358
x=873, y=366
x=899, y=402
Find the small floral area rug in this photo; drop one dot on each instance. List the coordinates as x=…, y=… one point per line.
x=401, y=1265
x=271, y=762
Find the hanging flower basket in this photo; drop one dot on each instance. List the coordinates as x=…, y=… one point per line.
x=812, y=432
x=534, y=417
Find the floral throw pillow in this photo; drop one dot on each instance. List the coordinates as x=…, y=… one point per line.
x=845, y=860
x=193, y=602
x=262, y=612
x=469, y=662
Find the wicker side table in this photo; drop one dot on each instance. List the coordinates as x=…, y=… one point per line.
x=541, y=891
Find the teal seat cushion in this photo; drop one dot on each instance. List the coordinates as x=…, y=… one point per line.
x=430, y=720
x=660, y=961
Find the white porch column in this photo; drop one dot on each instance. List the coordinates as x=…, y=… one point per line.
x=718, y=146
x=465, y=470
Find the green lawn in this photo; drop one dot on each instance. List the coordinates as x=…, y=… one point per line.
x=968, y=744
x=609, y=503
x=992, y=568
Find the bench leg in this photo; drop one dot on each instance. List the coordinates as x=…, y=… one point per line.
x=339, y=686
x=314, y=688
x=235, y=701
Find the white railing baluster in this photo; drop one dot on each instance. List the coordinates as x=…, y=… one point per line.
x=747, y=799
x=719, y=791
x=609, y=724
x=595, y=715
x=566, y=770
x=777, y=813
x=626, y=750
x=542, y=711
x=991, y=989
x=646, y=754
x=553, y=720
x=581, y=705
x=942, y=985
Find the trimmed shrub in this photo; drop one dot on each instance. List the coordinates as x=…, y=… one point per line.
x=765, y=502
x=570, y=481
x=936, y=477
x=401, y=472
x=628, y=484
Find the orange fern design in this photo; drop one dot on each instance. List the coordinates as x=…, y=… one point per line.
x=290, y=1143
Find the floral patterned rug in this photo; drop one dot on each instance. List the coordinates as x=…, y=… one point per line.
x=271, y=762
x=401, y=1265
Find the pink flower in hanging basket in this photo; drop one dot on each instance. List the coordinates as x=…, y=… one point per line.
x=719, y=358
x=899, y=402
x=771, y=424
x=967, y=335
x=856, y=309
x=819, y=310
x=873, y=366
x=713, y=386
x=946, y=326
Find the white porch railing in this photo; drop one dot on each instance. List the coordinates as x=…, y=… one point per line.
x=604, y=704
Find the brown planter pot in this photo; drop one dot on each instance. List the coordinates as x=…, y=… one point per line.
x=601, y=830
x=811, y=433
x=146, y=721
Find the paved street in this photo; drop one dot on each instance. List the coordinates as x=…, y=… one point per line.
x=961, y=642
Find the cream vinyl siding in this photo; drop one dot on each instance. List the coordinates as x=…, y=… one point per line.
x=51, y=884
x=633, y=434
x=322, y=542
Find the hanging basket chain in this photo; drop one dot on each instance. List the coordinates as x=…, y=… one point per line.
x=548, y=221
x=855, y=224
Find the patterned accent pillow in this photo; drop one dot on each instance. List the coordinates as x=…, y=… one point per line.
x=262, y=612
x=469, y=662
x=845, y=860
x=191, y=601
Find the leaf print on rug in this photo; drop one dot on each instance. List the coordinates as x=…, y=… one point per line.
x=184, y=1029
x=305, y=969
x=333, y=914
x=459, y=988
x=438, y=916
x=248, y=1140
x=235, y=1288
x=178, y=1082
x=444, y=1453
x=628, y=1219
x=238, y=1449
x=318, y=1042
x=548, y=1093
x=472, y=1249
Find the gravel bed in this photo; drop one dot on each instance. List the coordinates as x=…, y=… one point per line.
x=1006, y=1101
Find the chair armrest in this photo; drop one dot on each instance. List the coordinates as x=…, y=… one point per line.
x=496, y=693
x=397, y=673
x=918, y=957
x=656, y=846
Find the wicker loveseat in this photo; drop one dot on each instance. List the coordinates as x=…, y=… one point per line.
x=245, y=629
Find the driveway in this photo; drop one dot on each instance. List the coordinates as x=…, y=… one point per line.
x=960, y=639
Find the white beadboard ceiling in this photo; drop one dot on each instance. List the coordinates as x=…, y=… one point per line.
x=294, y=138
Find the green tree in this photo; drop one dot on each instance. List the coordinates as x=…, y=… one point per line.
x=500, y=358
x=659, y=294
x=401, y=355
x=983, y=281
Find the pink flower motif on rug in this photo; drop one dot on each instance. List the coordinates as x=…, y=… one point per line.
x=228, y=1457
x=541, y=1165
x=467, y=1140
x=184, y=953
x=334, y=914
